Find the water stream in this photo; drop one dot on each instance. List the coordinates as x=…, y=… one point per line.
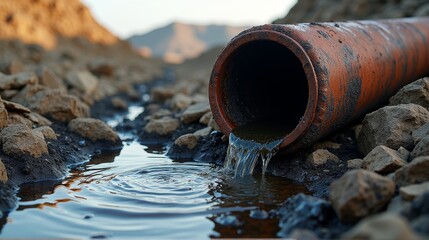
x=249, y=143
x=139, y=193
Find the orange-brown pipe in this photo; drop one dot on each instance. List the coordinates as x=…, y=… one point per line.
x=315, y=77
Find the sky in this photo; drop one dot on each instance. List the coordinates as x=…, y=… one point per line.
x=127, y=17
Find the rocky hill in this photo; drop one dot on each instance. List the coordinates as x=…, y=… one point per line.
x=43, y=21
x=179, y=41
x=333, y=10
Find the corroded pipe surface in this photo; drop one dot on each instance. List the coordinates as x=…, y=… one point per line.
x=315, y=77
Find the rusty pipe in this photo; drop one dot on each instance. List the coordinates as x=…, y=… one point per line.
x=315, y=77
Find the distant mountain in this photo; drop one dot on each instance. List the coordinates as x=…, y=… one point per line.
x=179, y=41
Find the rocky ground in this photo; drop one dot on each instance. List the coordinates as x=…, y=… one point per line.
x=368, y=181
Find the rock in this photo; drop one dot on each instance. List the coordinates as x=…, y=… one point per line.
x=180, y=101
x=359, y=193
x=383, y=160
x=17, y=81
x=391, y=126
x=46, y=131
x=421, y=224
x=83, y=81
x=203, y=132
x=307, y=212
x=356, y=129
x=404, y=153
x=382, y=226
x=3, y=115
x=417, y=171
x=15, y=107
x=421, y=149
x=416, y=92
x=19, y=140
x=161, y=94
x=11, y=67
x=119, y=103
x=15, y=118
x=355, y=163
x=212, y=123
x=423, y=10
x=162, y=126
x=420, y=133
x=189, y=141
x=326, y=144
x=3, y=173
x=56, y=104
x=412, y=191
x=94, y=129
x=195, y=112
x=38, y=119
x=302, y=234
x=48, y=78
x=320, y=157
x=417, y=208
x=396, y=204
x=205, y=119
x=102, y=67
x=8, y=94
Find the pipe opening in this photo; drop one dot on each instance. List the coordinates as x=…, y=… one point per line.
x=264, y=81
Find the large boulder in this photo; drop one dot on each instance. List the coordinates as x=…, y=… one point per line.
x=18, y=140
x=359, y=193
x=391, y=126
x=416, y=92
x=93, y=129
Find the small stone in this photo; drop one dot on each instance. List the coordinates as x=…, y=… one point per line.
x=38, y=119
x=212, y=123
x=412, y=191
x=404, y=153
x=180, y=101
x=4, y=116
x=383, y=160
x=420, y=133
x=54, y=103
x=15, y=118
x=359, y=193
x=8, y=94
x=161, y=94
x=189, y=141
x=320, y=157
x=417, y=171
x=102, y=67
x=94, y=129
x=17, y=81
x=119, y=103
x=205, y=119
x=382, y=226
x=162, y=126
x=326, y=145
x=421, y=149
x=355, y=163
x=391, y=126
x=258, y=214
x=3, y=173
x=11, y=67
x=416, y=92
x=83, y=81
x=15, y=107
x=19, y=140
x=302, y=234
x=46, y=131
x=195, y=112
x=203, y=132
x=356, y=129
x=48, y=78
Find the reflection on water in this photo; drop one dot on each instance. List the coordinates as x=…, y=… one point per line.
x=140, y=193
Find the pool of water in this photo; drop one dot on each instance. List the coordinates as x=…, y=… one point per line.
x=140, y=193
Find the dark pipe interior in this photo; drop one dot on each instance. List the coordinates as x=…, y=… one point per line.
x=265, y=81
